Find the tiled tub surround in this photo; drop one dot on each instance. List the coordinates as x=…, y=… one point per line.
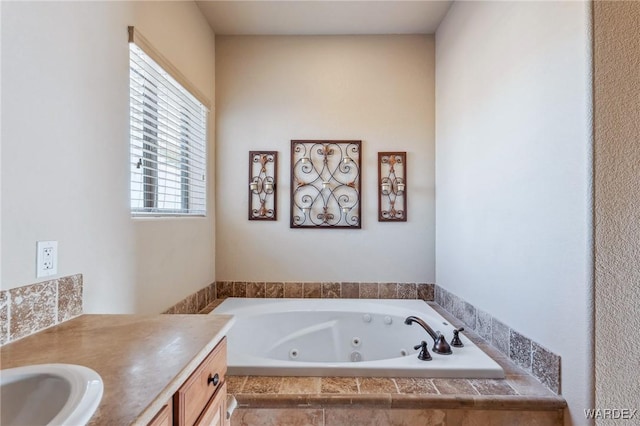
x=519, y=399
x=325, y=290
x=194, y=303
x=527, y=354
x=28, y=309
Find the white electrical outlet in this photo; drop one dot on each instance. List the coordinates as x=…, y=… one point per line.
x=46, y=258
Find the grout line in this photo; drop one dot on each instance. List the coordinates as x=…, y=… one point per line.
x=396, y=383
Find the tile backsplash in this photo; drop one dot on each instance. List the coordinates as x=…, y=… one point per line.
x=543, y=364
x=325, y=290
x=197, y=301
x=28, y=309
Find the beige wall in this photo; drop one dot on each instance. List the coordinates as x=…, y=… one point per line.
x=66, y=151
x=617, y=205
x=378, y=89
x=513, y=173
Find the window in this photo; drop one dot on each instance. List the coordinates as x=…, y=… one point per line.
x=168, y=142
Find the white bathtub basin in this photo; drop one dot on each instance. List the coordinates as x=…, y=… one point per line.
x=49, y=394
x=343, y=337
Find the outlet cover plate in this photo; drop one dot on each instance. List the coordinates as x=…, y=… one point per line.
x=46, y=258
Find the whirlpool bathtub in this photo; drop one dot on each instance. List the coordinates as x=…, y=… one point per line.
x=343, y=337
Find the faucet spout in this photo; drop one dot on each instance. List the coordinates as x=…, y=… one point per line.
x=440, y=345
x=410, y=320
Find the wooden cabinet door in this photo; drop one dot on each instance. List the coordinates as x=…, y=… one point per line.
x=163, y=418
x=216, y=411
x=196, y=392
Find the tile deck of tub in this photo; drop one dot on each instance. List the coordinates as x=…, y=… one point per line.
x=518, y=391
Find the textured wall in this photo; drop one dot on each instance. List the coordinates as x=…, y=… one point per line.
x=617, y=204
x=513, y=173
x=378, y=89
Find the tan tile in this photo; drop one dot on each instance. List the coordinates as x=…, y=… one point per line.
x=4, y=317
x=492, y=387
x=344, y=385
x=69, y=297
x=274, y=290
x=356, y=417
x=546, y=367
x=425, y=291
x=527, y=385
x=192, y=302
x=504, y=418
x=415, y=385
x=312, y=290
x=293, y=290
x=272, y=400
x=277, y=417
x=418, y=418
x=383, y=417
x=262, y=384
x=181, y=307
x=300, y=385
x=224, y=289
x=33, y=307
x=454, y=386
x=211, y=306
x=376, y=385
x=407, y=291
x=235, y=383
x=206, y=310
x=414, y=400
x=507, y=365
x=239, y=289
x=377, y=400
x=350, y=291
x=203, y=298
x=256, y=290
x=212, y=292
x=331, y=290
x=369, y=291
x=388, y=291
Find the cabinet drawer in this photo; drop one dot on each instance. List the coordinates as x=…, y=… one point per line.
x=192, y=397
x=215, y=413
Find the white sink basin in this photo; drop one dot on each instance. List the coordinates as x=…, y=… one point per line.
x=49, y=394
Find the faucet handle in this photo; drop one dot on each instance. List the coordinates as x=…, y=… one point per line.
x=424, y=354
x=456, y=342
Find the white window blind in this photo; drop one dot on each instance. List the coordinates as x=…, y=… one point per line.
x=168, y=142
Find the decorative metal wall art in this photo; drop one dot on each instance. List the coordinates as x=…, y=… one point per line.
x=263, y=171
x=325, y=184
x=392, y=187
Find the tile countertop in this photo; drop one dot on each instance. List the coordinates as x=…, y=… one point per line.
x=142, y=359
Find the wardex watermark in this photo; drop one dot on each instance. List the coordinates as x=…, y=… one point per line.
x=611, y=413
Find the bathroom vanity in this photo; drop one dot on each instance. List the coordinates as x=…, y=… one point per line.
x=156, y=369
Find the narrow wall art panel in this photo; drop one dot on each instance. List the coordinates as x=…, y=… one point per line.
x=263, y=173
x=325, y=184
x=392, y=187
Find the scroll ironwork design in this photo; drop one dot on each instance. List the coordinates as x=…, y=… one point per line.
x=325, y=184
x=263, y=169
x=392, y=186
